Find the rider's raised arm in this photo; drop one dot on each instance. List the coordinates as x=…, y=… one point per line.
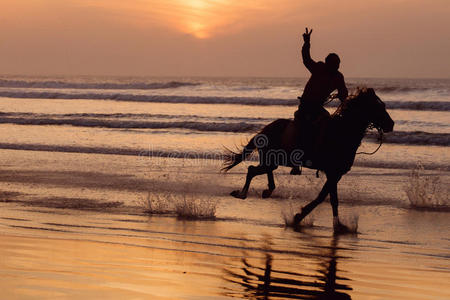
x=306, y=55
x=342, y=89
x=307, y=60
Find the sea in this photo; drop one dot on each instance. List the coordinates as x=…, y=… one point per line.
x=110, y=187
x=185, y=117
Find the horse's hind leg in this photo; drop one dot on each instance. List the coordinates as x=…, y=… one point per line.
x=252, y=172
x=334, y=201
x=271, y=186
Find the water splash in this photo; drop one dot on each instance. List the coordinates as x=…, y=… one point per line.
x=185, y=205
x=288, y=212
x=349, y=224
x=426, y=191
x=192, y=207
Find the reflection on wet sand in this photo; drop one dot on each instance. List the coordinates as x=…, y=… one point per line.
x=73, y=254
x=265, y=282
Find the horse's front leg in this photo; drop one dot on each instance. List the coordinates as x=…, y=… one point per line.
x=308, y=208
x=338, y=227
x=252, y=172
x=335, y=202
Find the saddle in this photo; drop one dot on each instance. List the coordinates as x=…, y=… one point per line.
x=307, y=133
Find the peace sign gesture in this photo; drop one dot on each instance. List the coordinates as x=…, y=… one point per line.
x=307, y=35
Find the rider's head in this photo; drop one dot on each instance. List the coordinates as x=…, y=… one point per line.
x=332, y=61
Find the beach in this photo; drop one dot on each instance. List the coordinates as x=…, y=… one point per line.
x=94, y=170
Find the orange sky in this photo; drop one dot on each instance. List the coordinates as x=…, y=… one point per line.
x=384, y=38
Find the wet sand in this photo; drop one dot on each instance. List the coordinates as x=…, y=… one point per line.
x=74, y=226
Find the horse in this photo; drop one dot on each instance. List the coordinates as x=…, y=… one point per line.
x=333, y=154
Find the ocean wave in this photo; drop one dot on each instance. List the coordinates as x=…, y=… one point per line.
x=149, y=98
x=384, y=87
x=401, y=89
x=235, y=125
x=86, y=85
x=395, y=86
x=412, y=138
x=136, y=124
x=418, y=138
x=392, y=89
x=405, y=105
x=11, y=115
x=249, y=88
x=419, y=105
x=217, y=155
x=412, y=105
x=184, y=117
x=421, y=123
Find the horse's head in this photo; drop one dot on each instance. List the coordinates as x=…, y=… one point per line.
x=374, y=110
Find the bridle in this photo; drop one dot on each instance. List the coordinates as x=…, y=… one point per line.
x=371, y=126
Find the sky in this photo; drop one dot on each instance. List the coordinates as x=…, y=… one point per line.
x=383, y=38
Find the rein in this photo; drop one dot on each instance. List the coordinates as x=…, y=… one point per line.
x=331, y=98
x=380, y=132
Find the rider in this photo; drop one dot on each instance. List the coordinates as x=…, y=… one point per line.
x=325, y=78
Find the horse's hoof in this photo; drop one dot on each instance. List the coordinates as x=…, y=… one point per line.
x=238, y=194
x=295, y=171
x=297, y=219
x=267, y=193
x=340, y=228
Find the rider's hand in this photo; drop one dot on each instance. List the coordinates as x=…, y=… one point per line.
x=307, y=35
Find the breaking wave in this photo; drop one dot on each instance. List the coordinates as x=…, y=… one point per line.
x=408, y=105
x=53, y=84
x=131, y=124
x=195, y=123
x=393, y=88
x=18, y=115
x=149, y=98
x=413, y=138
x=418, y=138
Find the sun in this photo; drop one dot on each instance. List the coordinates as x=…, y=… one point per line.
x=199, y=17
x=198, y=30
x=202, y=19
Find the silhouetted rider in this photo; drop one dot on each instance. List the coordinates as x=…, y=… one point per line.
x=325, y=78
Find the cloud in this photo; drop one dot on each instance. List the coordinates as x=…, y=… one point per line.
x=222, y=37
x=199, y=18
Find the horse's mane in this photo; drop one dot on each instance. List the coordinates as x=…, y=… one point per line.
x=351, y=100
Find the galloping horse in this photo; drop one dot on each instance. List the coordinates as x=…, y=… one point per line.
x=334, y=154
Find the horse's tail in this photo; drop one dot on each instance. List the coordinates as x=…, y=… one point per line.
x=232, y=158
